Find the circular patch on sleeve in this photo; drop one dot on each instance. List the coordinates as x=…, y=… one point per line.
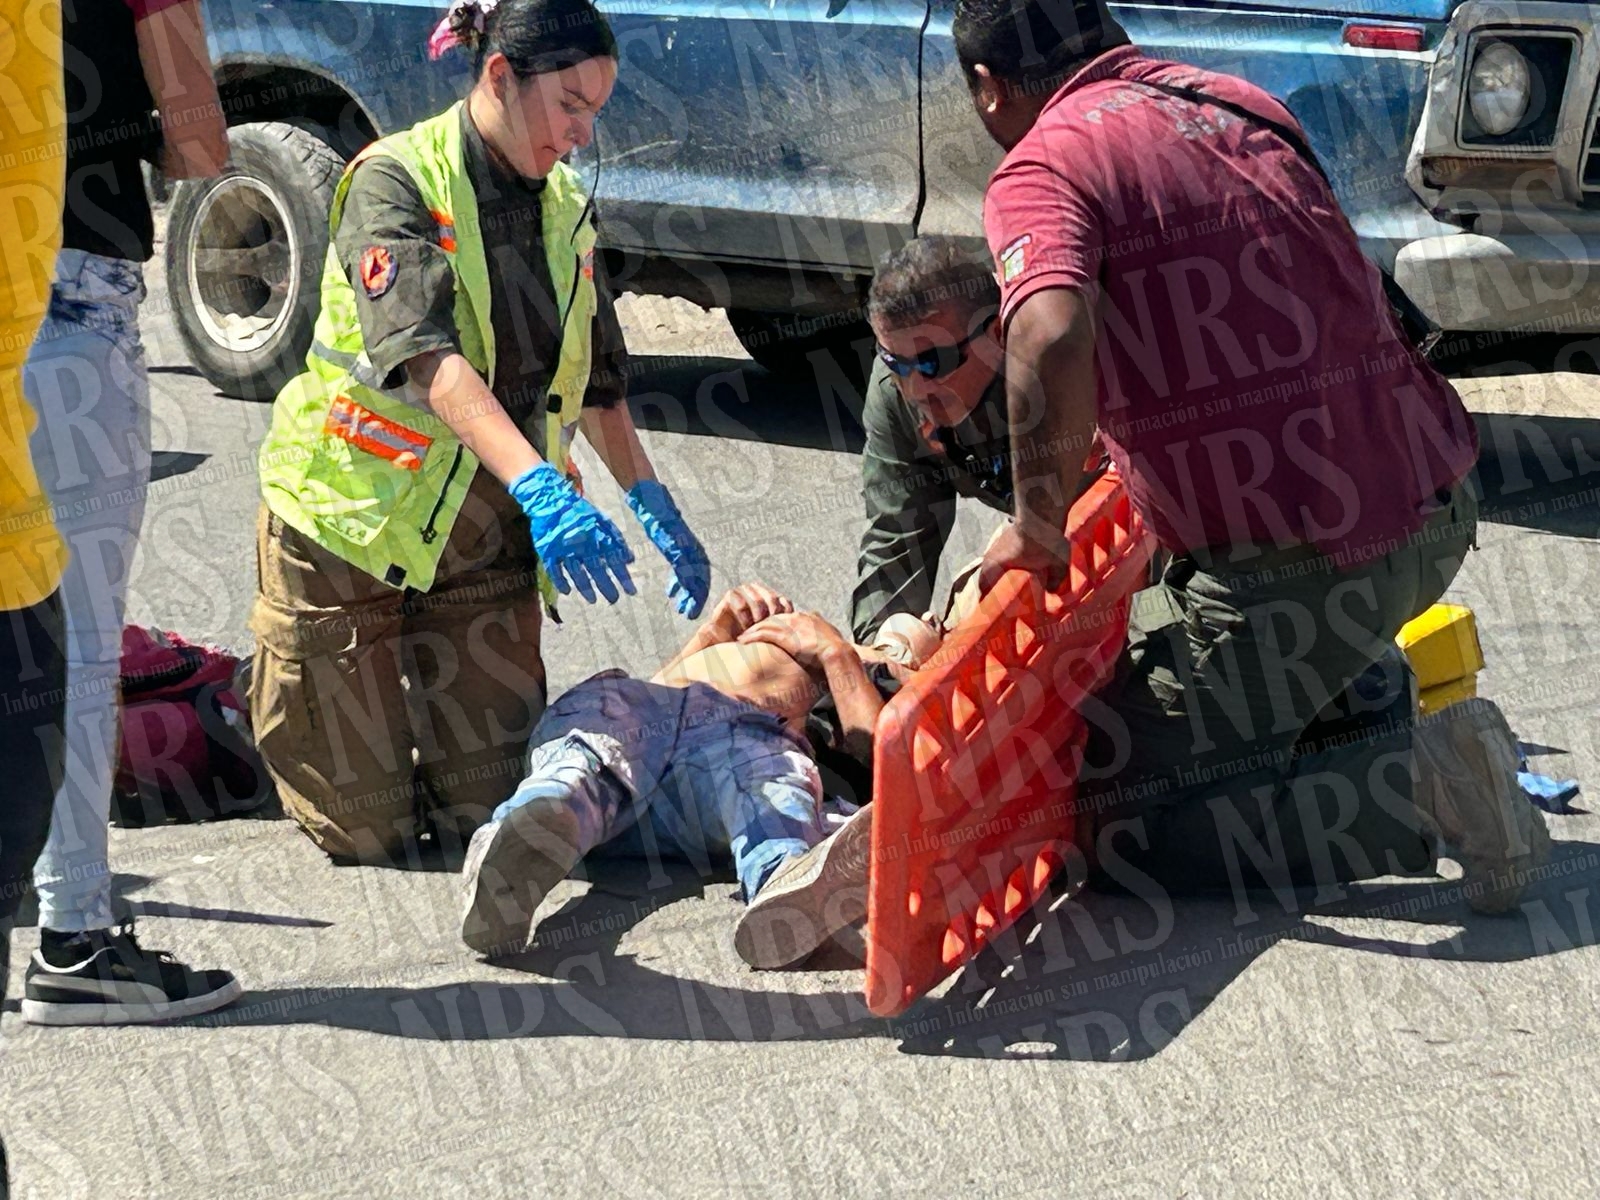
x=377, y=271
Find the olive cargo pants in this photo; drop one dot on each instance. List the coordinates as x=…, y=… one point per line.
x=1230, y=750
x=382, y=714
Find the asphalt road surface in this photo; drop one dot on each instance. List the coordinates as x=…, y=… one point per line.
x=1385, y=1043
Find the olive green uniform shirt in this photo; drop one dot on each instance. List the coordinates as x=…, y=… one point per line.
x=911, y=487
x=416, y=314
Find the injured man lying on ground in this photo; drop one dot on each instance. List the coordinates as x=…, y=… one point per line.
x=714, y=760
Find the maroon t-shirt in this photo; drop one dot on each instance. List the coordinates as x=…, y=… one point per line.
x=1253, y=383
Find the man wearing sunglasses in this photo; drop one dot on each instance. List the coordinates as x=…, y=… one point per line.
x=935, y=417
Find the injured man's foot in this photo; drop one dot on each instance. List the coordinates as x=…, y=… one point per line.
x=713, y=761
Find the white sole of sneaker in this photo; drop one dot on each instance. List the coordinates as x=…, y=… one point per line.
x=511, y=866
x=793, y=916
x=88, y=1012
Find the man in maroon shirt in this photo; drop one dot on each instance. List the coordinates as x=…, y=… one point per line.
x=1177, y=274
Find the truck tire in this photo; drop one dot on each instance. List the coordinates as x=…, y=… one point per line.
x=244, y=257
x=784, y=343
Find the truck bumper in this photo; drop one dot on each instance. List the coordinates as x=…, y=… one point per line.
x=1526, y=282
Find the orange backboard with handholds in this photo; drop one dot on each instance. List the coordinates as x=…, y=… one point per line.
x=975, y=761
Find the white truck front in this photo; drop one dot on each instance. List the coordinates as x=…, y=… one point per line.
x=1506, y=151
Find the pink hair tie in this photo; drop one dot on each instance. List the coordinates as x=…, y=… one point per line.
x=463, y=15
x=442, y=38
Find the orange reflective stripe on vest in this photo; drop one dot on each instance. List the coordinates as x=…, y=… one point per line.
x=447, y=231
x=366, y=430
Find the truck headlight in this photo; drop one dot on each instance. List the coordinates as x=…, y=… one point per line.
x=1499, y=88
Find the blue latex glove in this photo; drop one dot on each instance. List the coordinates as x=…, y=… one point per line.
x=574, y=539
x=663, y=524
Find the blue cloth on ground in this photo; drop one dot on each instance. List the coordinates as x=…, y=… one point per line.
x=1543, y=791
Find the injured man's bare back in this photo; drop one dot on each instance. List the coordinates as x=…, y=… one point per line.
x=707, y=761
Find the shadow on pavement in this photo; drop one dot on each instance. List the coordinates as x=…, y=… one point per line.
x=164, y=464
x=153, y=810
x=1094, y=978
x=1492, y=354
x=735, y=398
x=1113, y=978
x=1540, y=472
x=231, y=916
x=586, y=989
x=124, y=886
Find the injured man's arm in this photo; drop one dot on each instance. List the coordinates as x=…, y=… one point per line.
x=757, y=649
x=822, y=651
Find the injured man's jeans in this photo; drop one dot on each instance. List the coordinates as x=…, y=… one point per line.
x=681, y=773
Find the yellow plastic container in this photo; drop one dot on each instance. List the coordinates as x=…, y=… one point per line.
x=1442, y=645
x=1431, y=700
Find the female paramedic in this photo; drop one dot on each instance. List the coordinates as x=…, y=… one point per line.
x=416, y=476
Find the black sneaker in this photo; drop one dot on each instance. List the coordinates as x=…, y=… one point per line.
x=119, y=982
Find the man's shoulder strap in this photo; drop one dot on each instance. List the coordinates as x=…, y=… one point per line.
x=1416, y=326
x=1197, y=96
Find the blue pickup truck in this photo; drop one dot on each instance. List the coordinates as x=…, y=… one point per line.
x=761, y=155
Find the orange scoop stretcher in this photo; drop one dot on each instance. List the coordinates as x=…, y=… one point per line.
x=976, y=759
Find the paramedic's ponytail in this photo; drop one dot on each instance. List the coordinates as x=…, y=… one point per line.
x=536, y=36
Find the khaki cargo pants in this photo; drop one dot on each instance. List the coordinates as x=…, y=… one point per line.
x=383, y=714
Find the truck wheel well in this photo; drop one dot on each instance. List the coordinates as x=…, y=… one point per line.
x=268, y=92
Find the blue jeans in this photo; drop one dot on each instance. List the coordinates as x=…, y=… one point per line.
x=86, y=377
x=679, y=773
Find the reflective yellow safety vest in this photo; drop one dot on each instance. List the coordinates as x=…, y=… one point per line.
x=374, y=476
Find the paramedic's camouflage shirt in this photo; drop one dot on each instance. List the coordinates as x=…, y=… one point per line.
x=415, y=312
x=910, y=490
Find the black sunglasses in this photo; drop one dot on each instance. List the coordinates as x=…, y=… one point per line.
x=936, y=361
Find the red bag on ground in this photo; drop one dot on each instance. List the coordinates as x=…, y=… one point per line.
x=186, y=753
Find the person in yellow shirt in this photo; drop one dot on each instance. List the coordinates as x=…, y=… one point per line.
x=32, y=124
x=32, y=666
